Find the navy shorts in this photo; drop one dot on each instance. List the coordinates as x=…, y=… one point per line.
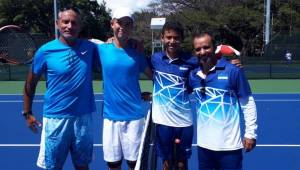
x=223, y=160
x=165, y=140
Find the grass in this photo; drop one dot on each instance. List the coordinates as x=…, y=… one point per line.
x=258, y=86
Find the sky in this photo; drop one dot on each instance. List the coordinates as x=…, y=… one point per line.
x=134, y=5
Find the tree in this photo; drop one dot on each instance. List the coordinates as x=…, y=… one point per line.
x=96, y=19
x=235, y=22
x=31, y=15
x=37, y=16
x=142, y=29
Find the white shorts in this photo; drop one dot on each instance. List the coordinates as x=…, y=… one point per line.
x=64, y=135
x=121, y=139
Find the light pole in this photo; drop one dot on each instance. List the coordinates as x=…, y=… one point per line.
x=55, y=18
x=267, y=7
x=156, y=24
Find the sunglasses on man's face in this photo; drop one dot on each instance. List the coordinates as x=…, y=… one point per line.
x=203, y=84
x=125, y=22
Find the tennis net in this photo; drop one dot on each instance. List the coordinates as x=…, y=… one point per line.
x=147, y=156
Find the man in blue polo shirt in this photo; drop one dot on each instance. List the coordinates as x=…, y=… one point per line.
x=66, y=63
x=221, y=90
x=171, y=110
x=123, y=115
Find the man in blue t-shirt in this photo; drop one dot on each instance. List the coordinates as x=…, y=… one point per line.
x=222, y=92
x=66, y=63
x=171, y=110
x=122, y=112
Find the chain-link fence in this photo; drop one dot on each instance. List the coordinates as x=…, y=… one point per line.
x=281, y=59
x=19, y=72
x=273, y=64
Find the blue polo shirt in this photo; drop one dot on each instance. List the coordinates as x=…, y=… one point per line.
x=217, y=104
x=68, y=73
x=121, y=68
x=171, y=106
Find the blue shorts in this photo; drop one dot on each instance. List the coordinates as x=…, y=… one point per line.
x=165, y=140
x=224, y=160
x=64, y=135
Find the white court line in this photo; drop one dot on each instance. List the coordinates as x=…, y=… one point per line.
x=41, y=94
x=272, y=100
x=100, y=145
x=101, y=100
x=193, y=100
x=33, y=145
x=271, y=145
x=37, y=94
x=266, y=145
x=277, y=100
x=35, y=101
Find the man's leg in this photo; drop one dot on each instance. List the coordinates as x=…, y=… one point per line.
x=164, y=143
x=230, y=160
x=206, y=159
x=182, y=165
x=166, y=165
x=55, y=142
x=130, y=138
x=112, y=149
x=183, y=146
x=131, y=164
x=114, y=165
x=82, y=167
x=82, y=143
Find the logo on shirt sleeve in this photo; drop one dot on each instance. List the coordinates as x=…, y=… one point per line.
x=183, y=68
x=222, y=77
x=83, y=52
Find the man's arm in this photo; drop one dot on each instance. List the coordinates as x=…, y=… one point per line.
x=133, y=43
x=250, y=115
x=237, y=62
x=28, y=95
x=148, y=73
x=147, y=96
x=230, y=52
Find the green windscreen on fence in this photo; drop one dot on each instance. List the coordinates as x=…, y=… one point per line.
x=271, y=64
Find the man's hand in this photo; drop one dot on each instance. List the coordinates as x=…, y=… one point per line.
x=146, y=96
x=237, y=62
x=110, y=40
x=249, y=144
x=226, y=50
x=32, y=123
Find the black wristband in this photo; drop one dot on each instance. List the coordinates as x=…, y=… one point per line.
x=26, y=114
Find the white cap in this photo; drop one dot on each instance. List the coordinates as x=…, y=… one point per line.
x=122, y=12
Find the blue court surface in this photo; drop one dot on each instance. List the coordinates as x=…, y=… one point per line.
x=278, y=135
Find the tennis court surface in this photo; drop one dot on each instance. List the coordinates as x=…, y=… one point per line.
x=278, y=135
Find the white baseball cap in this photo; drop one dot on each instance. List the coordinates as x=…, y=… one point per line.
x=121, y=12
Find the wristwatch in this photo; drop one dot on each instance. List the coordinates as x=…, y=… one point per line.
x=26, y=114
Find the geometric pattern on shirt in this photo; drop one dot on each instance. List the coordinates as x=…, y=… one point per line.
x=170, y=90
x=217, y=106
